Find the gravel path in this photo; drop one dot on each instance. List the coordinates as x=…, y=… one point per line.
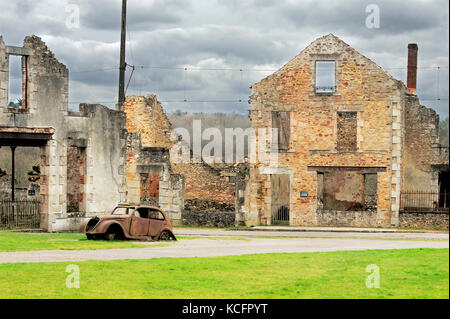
x=217, y=247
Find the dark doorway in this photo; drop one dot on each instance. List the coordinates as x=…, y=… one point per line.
x=280, y=199
x=444, y=195
x=76, y=174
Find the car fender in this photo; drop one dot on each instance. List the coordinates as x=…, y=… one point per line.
x=103, y=227
x=82, y=228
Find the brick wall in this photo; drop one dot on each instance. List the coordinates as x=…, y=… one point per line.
x=361, y=87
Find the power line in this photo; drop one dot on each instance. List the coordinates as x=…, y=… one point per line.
x=186, y=68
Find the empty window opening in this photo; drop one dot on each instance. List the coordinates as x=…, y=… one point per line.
x=370, y=191
x=340, y=190
x=281, y=122
x=346, y=131
x=17, y=87
x=280, y=184
x=156, y=214
x=76, y=178
x=325, y=76
x=320, y=190
x=142, y=212
x=27, y=173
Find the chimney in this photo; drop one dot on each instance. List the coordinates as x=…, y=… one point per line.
x=412, y=67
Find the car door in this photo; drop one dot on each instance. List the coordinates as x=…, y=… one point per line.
x=157, y=222
x=139, y=222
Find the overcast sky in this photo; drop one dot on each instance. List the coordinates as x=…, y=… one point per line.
x=216, y=39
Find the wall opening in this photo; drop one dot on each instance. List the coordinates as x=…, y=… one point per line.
x=340, y=190
x=27, y=173
x=444, y=191
x=346, y=131
x=370, y=191
x=281, y=122
x=150, y=188
x=76, y=178
x=280, y=199
x=17, y=85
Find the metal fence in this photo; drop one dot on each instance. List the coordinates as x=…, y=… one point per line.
x=419, y=200
x=20, y=214
x=280, y=214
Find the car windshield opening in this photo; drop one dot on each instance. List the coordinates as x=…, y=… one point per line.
x=121, y=211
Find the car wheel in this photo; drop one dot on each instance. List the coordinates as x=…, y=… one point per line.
x=111, y=235
x=165, y=235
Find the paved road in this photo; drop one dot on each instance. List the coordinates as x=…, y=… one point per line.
x=181, y=231
x=204, y=247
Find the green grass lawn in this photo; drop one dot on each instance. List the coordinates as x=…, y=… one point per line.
x=15, y=241
x=411, y=273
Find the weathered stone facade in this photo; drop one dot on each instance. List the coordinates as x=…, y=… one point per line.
x=96, y=132
x=360, y=128
x=146, y=116
x=146, y=162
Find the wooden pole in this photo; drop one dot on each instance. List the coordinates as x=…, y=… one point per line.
x=123, y=64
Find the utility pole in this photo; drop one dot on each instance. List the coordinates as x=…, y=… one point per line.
x=123, y=64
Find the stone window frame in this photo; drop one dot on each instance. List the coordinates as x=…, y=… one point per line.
x=25, y=53
x=334, y=57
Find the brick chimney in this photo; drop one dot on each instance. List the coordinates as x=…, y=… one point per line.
x=412, y=67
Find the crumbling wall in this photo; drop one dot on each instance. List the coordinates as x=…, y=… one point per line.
x=421, y=147
x=4, y=74
x=146, y=116
x=95, y=128
x=143, y=162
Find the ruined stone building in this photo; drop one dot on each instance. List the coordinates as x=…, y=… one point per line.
x=174, y=186
x=350, y=139
x=82, y=153
x=95, y=158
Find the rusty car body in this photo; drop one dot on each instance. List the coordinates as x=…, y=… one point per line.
x=130, y=222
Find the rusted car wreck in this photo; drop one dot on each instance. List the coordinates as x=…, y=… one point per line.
x=130, y=222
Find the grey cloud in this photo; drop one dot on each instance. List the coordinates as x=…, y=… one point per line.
x=261, y=34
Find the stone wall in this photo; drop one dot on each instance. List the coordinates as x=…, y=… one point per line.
x=95, y=128
x=202, y=218
x=346, y=218
x=422, y=148
x=362, y=87
x=146, y=116
x=424, y=220
x=145, y=161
